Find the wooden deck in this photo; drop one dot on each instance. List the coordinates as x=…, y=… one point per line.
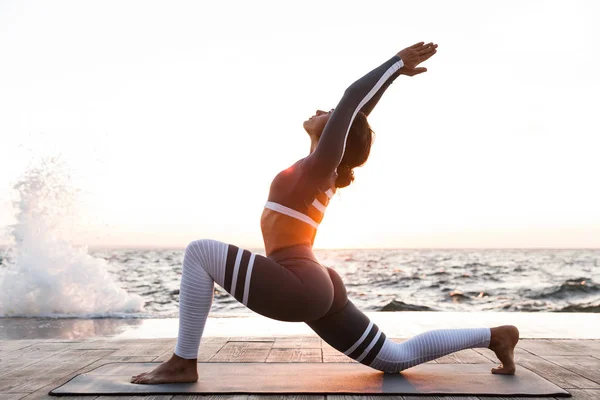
x=31, y=368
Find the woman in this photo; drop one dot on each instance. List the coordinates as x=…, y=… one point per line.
x=290, y=284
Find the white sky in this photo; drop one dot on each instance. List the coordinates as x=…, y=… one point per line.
x=175, y=116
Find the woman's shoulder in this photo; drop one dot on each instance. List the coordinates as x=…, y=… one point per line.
x=303, y=171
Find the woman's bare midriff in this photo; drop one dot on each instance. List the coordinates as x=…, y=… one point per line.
x=280, y=231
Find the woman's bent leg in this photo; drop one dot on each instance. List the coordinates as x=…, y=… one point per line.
x=259, y=283
x=203, y=264
x=196, y=293
x=351, y=332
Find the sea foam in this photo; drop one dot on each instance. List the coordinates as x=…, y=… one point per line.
x=46, y=274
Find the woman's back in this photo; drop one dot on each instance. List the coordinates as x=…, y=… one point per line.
x=295, y=207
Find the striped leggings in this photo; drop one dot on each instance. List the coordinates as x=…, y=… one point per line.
x=290, y=285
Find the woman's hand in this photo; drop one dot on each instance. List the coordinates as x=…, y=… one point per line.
x=415, y=55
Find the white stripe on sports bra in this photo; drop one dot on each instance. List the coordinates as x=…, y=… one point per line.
x=318, y=205
x=291, y=213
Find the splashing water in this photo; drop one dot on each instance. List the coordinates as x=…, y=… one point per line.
x=48, y=275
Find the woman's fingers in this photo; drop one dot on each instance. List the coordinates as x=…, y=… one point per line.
x=415, y=55
x=426, y=49
x=425, y=56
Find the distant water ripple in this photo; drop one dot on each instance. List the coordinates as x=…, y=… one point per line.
x=398, y=280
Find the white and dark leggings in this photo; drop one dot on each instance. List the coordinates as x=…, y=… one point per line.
x=290, y=285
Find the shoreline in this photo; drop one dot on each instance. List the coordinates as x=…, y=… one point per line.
x=400, y=324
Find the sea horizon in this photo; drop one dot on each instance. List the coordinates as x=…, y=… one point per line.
x=116, y=282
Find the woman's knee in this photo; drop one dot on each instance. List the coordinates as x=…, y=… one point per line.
x=207, y=254
x=203, y=248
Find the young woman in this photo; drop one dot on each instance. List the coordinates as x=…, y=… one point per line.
x=289, y=284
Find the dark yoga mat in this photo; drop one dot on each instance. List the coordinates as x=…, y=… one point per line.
x=316, y=378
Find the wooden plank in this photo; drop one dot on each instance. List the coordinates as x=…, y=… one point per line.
x=6, y=385
x=51, y=363
x=337, y=358
x=397, y=397
x=250, y=345
x=42, y=393
x=208, y=351
x=143, y=349
x=100, y=344
x=243, y=352
x=12, y=362
x=252, y=339
x=211, y=397
x=517, y=398
x=586, y=366
x=29, y=355
x=366, y=397
x=443, y=398
x=212, y=339
x=286, y=397
x=111, y=359
x=6, y=346
x=38, y=375
x=468, y=356
x=117, y=359
x=65, y=356
x=166, y=355
x=170, y=341
x=298, y=343
x=549, y=370
x=149, y=397
x=585, y=394
x=209, y=346
x=561, y=347
x=43, y=348
x=205, y=353
x=331, y=355
x=295, y=355
x=12, y=396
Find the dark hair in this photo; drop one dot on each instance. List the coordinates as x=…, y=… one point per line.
x=358, y=147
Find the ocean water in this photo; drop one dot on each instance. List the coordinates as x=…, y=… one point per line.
x=142, y=283
x=43, y=274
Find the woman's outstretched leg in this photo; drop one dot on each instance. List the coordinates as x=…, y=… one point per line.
x=351, y=332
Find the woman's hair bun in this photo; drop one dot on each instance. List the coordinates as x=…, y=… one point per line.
x=345, y=176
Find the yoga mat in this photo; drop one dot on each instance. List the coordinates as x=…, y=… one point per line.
x=316, y=378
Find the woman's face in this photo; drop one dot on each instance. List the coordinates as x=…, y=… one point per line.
x=314, y=125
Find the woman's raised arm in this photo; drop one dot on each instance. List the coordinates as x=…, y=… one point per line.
x=362, y=95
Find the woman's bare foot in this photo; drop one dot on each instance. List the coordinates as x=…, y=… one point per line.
x=502, y=342
x=176, y=370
